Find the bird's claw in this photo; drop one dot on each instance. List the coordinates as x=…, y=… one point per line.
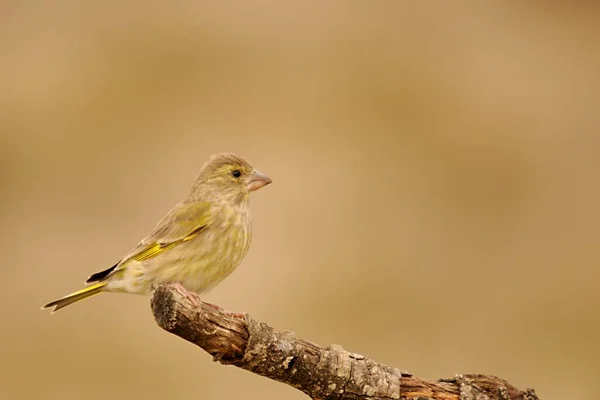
x=227, y=312
x=191, y=296
x=195, y=300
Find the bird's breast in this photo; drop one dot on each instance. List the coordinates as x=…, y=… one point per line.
x=213, y=255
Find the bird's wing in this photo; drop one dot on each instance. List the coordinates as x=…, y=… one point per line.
x=182, y=223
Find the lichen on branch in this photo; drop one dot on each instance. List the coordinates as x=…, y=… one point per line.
x=320, y=372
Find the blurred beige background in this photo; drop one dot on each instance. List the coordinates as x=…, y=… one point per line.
x=435, y=196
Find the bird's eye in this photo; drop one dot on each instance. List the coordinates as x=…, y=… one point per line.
x=236, y=173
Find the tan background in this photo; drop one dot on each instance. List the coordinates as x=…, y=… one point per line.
x=435, y=196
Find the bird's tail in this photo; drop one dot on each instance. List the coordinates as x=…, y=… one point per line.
x=76, y=296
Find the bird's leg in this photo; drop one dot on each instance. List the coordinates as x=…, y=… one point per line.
x=191, y=296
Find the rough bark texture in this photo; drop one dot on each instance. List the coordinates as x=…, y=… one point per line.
x=320, y=372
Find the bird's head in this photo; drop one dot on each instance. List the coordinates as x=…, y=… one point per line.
x=228, y=177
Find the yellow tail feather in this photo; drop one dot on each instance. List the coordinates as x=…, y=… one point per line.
x=76, y=296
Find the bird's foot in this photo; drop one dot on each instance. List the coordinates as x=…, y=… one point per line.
x=191, y=296
x=195, y=300
x=227, y=312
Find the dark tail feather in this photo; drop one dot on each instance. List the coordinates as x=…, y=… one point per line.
x=75, y=297
x=98, y=276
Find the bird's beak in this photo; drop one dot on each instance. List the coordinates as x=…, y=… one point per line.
x=257, y=180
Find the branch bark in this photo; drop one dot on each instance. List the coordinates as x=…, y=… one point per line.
x=320, y=372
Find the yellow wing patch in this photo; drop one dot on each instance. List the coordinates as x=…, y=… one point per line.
x=159, y=248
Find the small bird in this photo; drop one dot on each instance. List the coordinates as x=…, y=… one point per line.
x=196, y=245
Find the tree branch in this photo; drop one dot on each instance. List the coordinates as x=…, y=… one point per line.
x=322, y=373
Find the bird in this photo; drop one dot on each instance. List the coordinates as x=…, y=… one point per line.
x=196, y=245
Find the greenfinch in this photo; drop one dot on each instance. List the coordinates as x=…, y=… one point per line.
x=196, y=245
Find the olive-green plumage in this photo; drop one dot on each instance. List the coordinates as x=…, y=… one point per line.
x=197, y=244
